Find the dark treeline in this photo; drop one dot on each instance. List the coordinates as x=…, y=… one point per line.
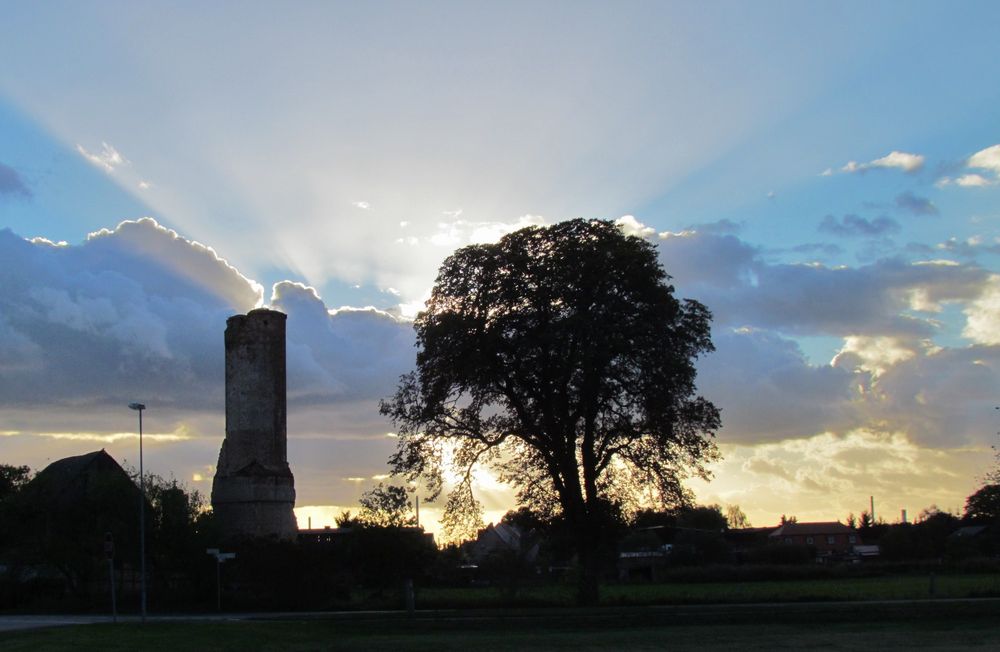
x=53, y=553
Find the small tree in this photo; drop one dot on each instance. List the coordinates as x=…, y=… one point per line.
x=386, y=506
x=13, y=479
x=560, y=357
x=736, y=518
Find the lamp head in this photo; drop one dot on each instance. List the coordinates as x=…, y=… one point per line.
x=137, y=406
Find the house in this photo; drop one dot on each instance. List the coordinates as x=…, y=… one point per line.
x=643, y=555
x=745, y=543
x=70, y=512
x=828, y=538
x=505, y=538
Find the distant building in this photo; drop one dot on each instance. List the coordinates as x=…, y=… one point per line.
x=745, y=540
x=65, y=515
x=505, y=538
x=829, y=538
x=253, y=493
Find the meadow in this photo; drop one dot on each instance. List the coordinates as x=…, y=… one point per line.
x=891, y=587
x=920, y=625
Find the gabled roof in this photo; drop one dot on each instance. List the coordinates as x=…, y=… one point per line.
x=64, y=482
x=819, y=528
x=968, y=531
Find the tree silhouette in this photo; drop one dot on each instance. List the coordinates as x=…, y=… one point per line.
x=559, y=357
x=984, y=504
x=386, y=506
x=736, y=518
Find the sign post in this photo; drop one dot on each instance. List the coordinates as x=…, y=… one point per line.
x=109, y=552
x=220, y=557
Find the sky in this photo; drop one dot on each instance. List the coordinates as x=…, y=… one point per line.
x=824, y=176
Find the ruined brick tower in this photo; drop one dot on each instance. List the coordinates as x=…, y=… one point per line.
x=254, y=492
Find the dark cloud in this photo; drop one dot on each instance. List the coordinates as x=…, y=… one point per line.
x=822, y=248
x=139, y=308
x=11, y=183
x=768, y=391
x=911, y=203
x=854, y=225
x=696, y=259
x=138, y=313
x=943, y=399
x=742, y=289
x=967, y=248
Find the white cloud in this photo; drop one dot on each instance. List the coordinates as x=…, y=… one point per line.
x=904, y=161
x=631, y=226
x=986, y=159
x=363, y=205
x=983, y=314
x=458, y=233
x=874, y=354
x=973, y=181
x=108, y=158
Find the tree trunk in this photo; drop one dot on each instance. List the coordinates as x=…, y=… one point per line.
x=588, y=587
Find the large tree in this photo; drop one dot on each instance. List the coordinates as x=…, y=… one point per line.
x=559, y=357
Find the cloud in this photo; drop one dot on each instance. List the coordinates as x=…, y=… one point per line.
x=631, y=226
x=458, y=233
x=904, y=161
x=882, y=298
x=719, y=227
x=742, y=288
x=907, y=201
x=853, y=225
x=983, y=314
x=108, y=158
x=134, y=307
x=138, y=311
x=969, y=247
x=828, y=476
x=973, y=181
x=874, y=355
x=11, y=183
x=822, y=248
x=780, y=376
x=985, y=159
x=941, y=397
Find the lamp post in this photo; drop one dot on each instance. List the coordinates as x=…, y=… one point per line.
x=142, y=517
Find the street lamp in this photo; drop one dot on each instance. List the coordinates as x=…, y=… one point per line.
x=142, y=516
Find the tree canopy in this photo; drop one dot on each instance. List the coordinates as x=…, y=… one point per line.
x=560, y=358
x=984, y=504
x=386, y=506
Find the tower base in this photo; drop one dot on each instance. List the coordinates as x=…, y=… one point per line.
x=255, y=506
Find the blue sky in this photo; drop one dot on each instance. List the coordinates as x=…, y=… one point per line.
x=820, y=174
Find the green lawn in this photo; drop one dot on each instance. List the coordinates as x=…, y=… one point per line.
x=885, y=613
x=902, y=587
x=922, y=626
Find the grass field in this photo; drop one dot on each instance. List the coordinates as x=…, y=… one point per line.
x=902, y=587
x=886, y=613
x=938, y=625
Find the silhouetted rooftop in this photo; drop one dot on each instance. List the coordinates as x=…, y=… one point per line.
x=812, y=529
